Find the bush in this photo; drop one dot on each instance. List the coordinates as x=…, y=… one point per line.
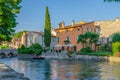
x=97, y=53
x=56, y=51
x=115, y=47
x=70, y=53
x=105, y=47
x=22, y=47
x=3, y=46
x=86, y=50
x=38, y=52
x=33, y=49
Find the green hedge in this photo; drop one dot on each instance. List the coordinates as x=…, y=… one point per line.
x=115, y=47
x=86, y=50
x=97, y=53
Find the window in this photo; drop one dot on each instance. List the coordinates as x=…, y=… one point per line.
x=78, y=29
x=87, y=29
x=94, y=30
x=66, y=30
x=90, y=29
x=58, y=39
x=31, y=38
x=67, y=38
x=77, y=37
x=53, y=39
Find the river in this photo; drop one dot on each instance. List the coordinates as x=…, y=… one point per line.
x=64, y=69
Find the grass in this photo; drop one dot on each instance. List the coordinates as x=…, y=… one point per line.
x=98, y=53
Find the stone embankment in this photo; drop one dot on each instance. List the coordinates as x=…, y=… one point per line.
x=6, y=73
x=63, y=55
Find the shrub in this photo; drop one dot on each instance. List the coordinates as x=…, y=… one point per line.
x=33, y=49
x=56, y=51
x=35, y=46
x=115, y=47
x=86, y=50
x=3, y=46
x=105, y=47
x=22, y=47
x=70, y=53
x=38, y=51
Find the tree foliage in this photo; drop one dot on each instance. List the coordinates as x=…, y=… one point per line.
x=47, y=29
x=88, y=38
x=116, y=37
x=115, y=48
x=33, y=49
x=112, y=0
x=19, y=34
x=8, y=11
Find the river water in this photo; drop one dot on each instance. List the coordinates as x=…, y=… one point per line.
x=64, y=69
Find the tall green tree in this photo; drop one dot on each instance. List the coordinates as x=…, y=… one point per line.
x=112, y=0
x=47, y=29
x=8, y=11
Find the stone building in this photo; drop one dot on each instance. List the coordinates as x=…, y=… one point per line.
x=107, y=29
x=32, y=37
x=67, y=36
x=15, y=43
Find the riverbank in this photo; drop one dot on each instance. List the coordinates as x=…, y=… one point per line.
x=6, y=73
x=65, y=56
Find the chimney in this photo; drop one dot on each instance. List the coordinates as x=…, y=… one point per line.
x=117, y=19
x=60, y=25
x=63, y=24
x=73, y=23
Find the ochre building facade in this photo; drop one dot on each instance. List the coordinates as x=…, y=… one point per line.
x=67, y=36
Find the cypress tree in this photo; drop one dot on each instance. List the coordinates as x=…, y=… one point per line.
x=47, y=29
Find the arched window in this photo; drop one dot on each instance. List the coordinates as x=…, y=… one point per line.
x=31, y=38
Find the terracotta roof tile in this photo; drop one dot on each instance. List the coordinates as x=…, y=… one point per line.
x=16, y=40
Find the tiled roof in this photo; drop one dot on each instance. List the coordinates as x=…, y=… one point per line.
x=16, y=40
x=76, y=25
x=41, y=33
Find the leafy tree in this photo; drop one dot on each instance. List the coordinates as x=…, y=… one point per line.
x=47, y=29
x=19, y=34
x=112, y=0
x=8, y=11
x=82, y=39
x=88, y=38
x=37, y=48
x=94, y=38
x=116, y=37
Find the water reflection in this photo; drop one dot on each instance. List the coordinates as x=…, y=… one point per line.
x=65, y=69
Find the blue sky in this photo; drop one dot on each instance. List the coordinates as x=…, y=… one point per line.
x=32, y=15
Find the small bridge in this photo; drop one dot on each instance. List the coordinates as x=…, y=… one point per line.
x=8, y=52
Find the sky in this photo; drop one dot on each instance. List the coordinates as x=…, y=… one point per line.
x=32, y=14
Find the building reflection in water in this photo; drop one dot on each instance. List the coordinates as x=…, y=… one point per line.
x=65, y=69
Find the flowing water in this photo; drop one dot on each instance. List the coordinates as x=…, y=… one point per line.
x=64, y=69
